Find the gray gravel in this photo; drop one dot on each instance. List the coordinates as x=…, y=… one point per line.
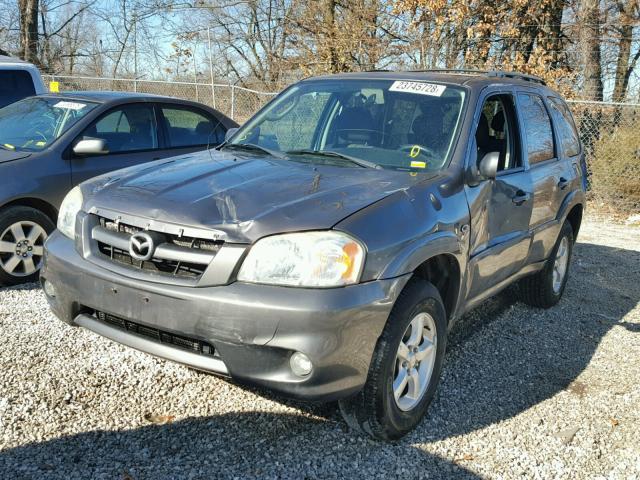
x=525, y=393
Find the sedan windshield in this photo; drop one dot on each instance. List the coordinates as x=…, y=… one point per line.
x=32, y=124
x=401, y=125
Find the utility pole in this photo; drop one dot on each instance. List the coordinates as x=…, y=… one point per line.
x=213, y=93
x=135, y=51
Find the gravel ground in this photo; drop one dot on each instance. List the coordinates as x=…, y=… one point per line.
x=525, y=393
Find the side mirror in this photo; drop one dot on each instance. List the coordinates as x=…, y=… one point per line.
x=91, y=146
x=488, y=166
x=230, y=133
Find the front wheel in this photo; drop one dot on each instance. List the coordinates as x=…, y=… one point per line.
x=405, y=368
x=23, y=231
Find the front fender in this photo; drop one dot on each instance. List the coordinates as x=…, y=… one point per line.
x=421, y=250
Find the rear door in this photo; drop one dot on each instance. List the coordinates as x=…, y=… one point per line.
x=549, y=172
x=132, y=137
x=188, y=129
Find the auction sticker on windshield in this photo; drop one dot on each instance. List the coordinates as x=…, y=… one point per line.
x=418, y=87
x=70, y=105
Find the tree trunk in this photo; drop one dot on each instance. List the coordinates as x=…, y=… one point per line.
x=589, y=44
x=330, y=27
x=28, y=30
x=623, y=69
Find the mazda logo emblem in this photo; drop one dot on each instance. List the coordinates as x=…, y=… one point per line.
x=141, y=246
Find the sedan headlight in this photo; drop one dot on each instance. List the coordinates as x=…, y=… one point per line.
x=70, y=207
x=308, y=259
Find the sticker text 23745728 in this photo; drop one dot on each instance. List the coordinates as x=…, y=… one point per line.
x=420, y=88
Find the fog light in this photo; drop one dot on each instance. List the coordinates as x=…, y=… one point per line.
x=49, y=289
x=300, y=364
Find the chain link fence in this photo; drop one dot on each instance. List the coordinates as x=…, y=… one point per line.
x=236, y=102
x=609, y=131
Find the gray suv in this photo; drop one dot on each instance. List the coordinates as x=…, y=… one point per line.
x=327, y=247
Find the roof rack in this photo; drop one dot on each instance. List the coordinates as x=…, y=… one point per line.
x=488, y=73
x=521, y=76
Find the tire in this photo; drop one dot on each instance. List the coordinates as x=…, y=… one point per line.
x=375, y=410
x=21, y=248
x=541, y=289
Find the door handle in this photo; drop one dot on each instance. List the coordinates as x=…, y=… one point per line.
x=563, y=183
x=521, y=197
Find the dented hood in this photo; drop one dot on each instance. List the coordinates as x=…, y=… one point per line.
x=244, y=196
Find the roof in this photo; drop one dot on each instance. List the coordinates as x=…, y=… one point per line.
x=107, y=96
x=460, y=77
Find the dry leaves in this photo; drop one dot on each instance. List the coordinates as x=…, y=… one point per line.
x=159, y=419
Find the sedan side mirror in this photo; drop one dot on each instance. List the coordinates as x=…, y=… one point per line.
x=488, y=166
x=230, y=133
x=91, y=146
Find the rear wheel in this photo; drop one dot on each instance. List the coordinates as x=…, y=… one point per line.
x=545, y=288
x=23, y=231
x=405, y=368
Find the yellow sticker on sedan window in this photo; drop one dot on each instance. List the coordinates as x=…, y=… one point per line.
x=415, y=151
x=417, y=164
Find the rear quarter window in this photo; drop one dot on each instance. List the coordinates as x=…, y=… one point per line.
x=15, y=85
x=566, y=127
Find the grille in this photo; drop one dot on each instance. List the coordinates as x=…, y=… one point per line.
x=186, y=343
x=173, y=266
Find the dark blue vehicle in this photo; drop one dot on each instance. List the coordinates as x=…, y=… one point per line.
x=49, y=143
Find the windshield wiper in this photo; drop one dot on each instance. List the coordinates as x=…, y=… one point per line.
x=340, y=156
x=252, y=147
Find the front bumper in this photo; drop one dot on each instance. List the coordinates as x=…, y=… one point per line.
x=253, y=328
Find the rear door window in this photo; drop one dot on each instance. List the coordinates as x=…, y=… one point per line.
x=127, y=129
x=566, y=127
x=188, y=127
x=537, y=126
x=15, y=85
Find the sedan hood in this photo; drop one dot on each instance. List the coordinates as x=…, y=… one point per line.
x=9, y=155
x=244, y=196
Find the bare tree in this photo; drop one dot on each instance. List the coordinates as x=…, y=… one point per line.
x=589, y=44
x=629, y=15
x=28, y=30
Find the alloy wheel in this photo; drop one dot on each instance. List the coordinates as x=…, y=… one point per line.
x=560, y=264
x=22, y=248
x=415, y=360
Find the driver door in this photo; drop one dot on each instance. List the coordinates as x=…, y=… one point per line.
x=501, y=208
x=131, y=134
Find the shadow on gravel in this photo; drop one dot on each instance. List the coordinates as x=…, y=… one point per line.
x=503, y=359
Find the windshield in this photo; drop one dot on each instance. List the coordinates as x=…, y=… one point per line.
x=399, y=125
x=32, y=124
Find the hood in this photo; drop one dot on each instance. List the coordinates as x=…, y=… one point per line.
x=246, y=197
x=9, y=155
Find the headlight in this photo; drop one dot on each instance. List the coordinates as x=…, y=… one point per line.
x=308, y=259
x=70, y=207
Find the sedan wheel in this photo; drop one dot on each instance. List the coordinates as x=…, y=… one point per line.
x=23, y=231
x=22, y=248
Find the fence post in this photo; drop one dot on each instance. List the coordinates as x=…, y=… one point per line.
x=233, y=101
